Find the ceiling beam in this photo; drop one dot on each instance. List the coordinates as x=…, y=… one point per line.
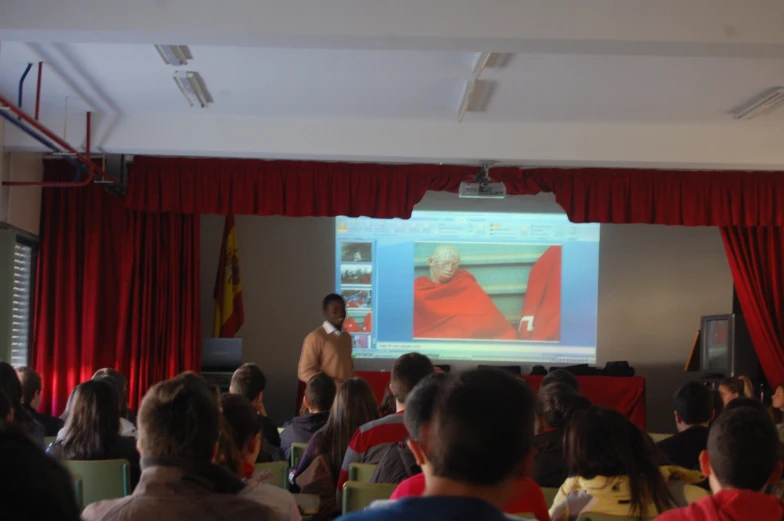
x=741, y=146
x=696, y=27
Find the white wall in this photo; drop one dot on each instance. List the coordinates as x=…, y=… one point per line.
x=655, y=282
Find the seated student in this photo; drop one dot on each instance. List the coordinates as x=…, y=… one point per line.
x=31, y=399
x=741, y=461
x=355, y=405
x=735, y=387
x=372, y=439
x=12, y=387
x=777, y=402
x=35, y=487
x=245, y=428
x=117, y=380
x=476, y=413
x=693, y=414
x=613, y=471
x=398, y=462
x=179, y=421
x=561, y=376
x=555, y=405
x=249, y=381
x=319, y=395
x=419, y=412
x=91, y=430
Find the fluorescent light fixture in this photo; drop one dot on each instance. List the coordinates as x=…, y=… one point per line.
x=480, y=63
x=176, y=55
x=193, y=88
x=465, y=100
x=763, y=103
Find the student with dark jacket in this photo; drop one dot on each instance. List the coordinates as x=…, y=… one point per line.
x=693, y=414
x=32, y=386
x=91, y=430
x=249, y=380
x=555, y=405
x=12, y=387
x=319, y=395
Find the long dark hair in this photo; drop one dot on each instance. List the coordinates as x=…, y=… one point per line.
x=91, y=429
x=12, y=387
x=602, y=442
x=355, y=404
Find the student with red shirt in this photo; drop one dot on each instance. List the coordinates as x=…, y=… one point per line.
x=371, y=441
x=528, y=497
x=741, y=461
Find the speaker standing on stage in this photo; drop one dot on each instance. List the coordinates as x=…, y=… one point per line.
x=328, y=348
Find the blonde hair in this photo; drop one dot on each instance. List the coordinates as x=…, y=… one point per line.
x=740, y=385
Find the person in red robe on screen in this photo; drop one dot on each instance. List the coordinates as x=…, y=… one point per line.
x=449, y=303
x=541, y=316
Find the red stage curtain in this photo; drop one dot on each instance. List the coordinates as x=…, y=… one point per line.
x=294, y=188
x=77, y=287
x=159, y=333
x=755, y=256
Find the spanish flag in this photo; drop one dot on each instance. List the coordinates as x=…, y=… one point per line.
x=229, y=315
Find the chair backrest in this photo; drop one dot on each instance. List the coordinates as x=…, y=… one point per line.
x=361, y=471
x=48, y=440
x=102, y=479
x=524, y=515
x=549, y=495
x=79, y=491
x=657, y=437
x=280, y=469
x=358, y=495
x=591, y=516
x=297, y=450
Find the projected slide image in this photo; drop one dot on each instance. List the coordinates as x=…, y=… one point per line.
x=357, y=298
x=360, y=341
x=358, y=321
x=487, y=291
x=356, y=274
x=356, y=252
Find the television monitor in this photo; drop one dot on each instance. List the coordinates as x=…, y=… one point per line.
x=726, y=348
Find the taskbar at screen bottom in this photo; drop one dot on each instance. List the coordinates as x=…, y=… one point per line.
x=484, y=352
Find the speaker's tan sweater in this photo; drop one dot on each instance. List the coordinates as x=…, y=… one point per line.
x=327, y=353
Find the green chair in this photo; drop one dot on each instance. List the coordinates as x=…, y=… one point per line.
x=281, y=471
x=79, y=491
x=101, y=479
x=657, y=437
x=549, y=495
x=297, y=450
x=524, y=515
x=48, y=440
x=357, y=495
x=361, y=471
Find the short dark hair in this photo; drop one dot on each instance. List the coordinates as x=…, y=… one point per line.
x=743, y=446
x=694, y=403
x=5, y=406
x=478, y=413
x=38, y=486
x=744, y=402
x=557, y=402
x=249, y=381
x=320, y=392
x=421, y=402
x=179, y=418
x=332, y=297
x=243, y=420
x=407, y=371
x=31, y=383
x=118, y=382
x=562, y=376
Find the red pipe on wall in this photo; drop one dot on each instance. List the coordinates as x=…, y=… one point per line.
x=38, y=90
x=85, y=160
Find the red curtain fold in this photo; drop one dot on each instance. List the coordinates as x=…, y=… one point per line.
x=294, y=188
x=159, y=333
x=78, y=285
x=755, y=256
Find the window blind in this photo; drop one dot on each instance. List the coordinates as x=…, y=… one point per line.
x=22, y=299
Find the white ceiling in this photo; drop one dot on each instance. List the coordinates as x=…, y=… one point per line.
x=572, y=81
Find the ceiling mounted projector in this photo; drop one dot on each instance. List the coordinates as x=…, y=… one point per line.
x=482, y=187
